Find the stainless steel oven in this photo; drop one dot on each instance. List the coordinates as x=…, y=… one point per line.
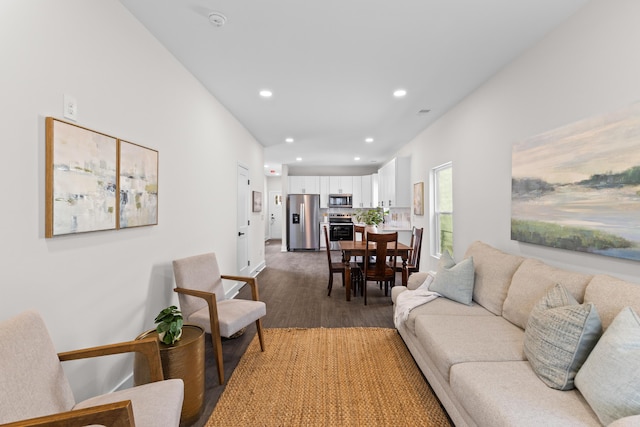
x=340, y=228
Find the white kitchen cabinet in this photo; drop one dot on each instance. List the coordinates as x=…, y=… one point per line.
x=394, y=183
x=356, y=199
x=363, y=192
x=323, y=244
x=367, y=191
x=304, y=185
x=340, y=184
x=324, y=192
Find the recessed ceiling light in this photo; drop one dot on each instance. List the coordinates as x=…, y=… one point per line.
x=399, y=93
x=368, y=140
x=298, y=159
x=356, y=158
x=266, y=93
x=289, y=140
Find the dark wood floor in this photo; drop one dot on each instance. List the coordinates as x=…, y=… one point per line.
x=294, y=287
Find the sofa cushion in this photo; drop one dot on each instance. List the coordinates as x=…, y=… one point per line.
x=458, y=339
x=559, y=336
x=493, y=272
x=610, y=376
x=454, y=281
x=510, y=394
x=530, y=282
x=444, y=306
x=610, y=295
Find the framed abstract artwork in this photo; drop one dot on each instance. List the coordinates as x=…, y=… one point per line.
x=418, y=198
x=81, y=180
x=578, y=187
x=137, y=185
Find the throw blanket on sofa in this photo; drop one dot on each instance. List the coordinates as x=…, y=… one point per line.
x=408, y=300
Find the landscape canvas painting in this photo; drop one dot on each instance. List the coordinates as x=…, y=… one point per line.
x=80, y=179
x=138, y=185
x=578, y=187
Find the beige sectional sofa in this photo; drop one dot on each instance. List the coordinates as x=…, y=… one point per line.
x=473, y=355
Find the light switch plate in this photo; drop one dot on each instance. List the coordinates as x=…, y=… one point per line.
x=70, y=107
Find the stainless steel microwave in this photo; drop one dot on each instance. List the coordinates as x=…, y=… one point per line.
x=340, y=200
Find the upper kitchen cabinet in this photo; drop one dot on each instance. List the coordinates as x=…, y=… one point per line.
x=363, y=192
x=324, y=192
x=394, y=183
x=304, y=185
x=341, y=184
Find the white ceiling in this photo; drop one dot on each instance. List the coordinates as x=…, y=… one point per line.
x=333, y=65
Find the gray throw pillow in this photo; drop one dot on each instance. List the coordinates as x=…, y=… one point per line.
x=610, y=377
x=454, y=281
x=559, y=336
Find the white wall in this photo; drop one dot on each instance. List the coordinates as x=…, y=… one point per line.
x=104, y=287
x=585, y=68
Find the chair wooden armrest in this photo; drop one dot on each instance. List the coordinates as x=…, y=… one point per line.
x=148, y=347
x=118, y=414
x=210, y=298
x=252, y=281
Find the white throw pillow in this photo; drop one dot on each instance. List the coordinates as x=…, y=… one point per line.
x=609, y=380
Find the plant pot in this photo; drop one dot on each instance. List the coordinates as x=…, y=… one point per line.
x=370, y=229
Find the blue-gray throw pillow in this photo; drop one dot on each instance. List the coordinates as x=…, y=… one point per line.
x=454, y=281
x=559, y=336
x=610, y=377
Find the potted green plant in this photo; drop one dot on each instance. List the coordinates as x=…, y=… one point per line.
x=370, y=216
x=170, y=324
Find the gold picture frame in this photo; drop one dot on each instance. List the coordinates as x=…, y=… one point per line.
x=81, y=179
x=418, y=198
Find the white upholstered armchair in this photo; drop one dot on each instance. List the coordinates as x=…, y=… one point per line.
x=34, y=390
x=202, y=302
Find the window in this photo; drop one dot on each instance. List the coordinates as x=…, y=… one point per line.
x=442, y=209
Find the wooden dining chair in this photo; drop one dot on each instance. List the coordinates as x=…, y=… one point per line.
x=334, y=267
x=385, y=272
x=356, y=273
x=413, y=263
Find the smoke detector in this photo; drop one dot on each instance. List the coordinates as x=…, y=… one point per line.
x=217, y=19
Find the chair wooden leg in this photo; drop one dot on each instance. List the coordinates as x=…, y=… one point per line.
x=365, y=291
x=260, y=336
x=330, y=283
x=217, y=349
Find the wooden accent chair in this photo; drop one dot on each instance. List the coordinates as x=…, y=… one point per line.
x=34, y=390
x=334, y=267
x=381, y=271
x=202, y=302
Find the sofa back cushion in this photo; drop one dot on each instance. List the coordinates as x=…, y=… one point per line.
x=610, y=295
x=530, y=283
x=493, y=272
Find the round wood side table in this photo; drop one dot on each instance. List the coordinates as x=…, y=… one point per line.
x=184, y=360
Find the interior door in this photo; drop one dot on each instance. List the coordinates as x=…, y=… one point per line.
x=275, y=214
x=243, y=221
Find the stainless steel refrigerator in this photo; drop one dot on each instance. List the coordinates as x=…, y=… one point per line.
x=303, y=222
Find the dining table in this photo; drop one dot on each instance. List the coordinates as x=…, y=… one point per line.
x=358, y=248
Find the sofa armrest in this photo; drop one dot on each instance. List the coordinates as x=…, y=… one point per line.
x=418, y=278
x=148, y=347
x=118, y=414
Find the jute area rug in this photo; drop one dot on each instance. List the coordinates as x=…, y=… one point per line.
x=328, y=377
